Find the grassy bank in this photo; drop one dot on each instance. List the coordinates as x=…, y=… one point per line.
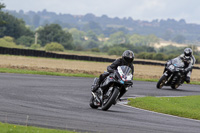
x=24, y=71
x=11, y=128
x=187, y=106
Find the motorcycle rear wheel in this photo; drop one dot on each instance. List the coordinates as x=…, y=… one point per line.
x=161, y=82
x=111, y=100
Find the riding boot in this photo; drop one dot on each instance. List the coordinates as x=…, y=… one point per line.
x=187, y=79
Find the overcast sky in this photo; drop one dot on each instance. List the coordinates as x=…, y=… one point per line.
x=137, y=9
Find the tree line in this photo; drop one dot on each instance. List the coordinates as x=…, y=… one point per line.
x=52, y=37
x=170, y=29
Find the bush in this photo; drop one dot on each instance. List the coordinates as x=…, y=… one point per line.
x=8, y=39
x=171, y=56
x=8, y=42
x=54, y=47
x=150, y=55
x=145, y=55
x=116, y=51
x=95, y=50
x=155, y=56
x=141, y=55
x=160, y=56
x=35, y=46
x=25, y=40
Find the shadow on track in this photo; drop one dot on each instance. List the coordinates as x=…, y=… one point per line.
x=110, y=111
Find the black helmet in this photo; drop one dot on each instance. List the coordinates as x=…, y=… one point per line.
x=128, y=56
x=187, y=54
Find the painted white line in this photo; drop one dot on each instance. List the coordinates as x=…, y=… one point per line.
x=124, y=104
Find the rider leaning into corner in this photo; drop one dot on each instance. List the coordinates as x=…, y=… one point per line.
x=189, y=61
x=126, y=60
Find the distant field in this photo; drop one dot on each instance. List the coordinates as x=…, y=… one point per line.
x=167, y=43
x=74, y=66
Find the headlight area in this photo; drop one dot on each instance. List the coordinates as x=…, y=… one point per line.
x=171, y=67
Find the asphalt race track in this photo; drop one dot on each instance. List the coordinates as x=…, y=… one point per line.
x=63, y=103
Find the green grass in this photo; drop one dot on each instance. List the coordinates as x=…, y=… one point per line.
x=156, y=80
x=24, y=71
x=149, y=80
x=11, y=128
x=187, y=106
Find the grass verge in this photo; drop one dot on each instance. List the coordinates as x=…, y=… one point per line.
x=11, y=128
x=24, y=71
x=156, y=80
x=187, y=106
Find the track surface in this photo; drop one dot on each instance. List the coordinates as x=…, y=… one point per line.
x=63, y=102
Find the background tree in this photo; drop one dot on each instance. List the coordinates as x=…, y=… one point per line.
x=151, y=39
x=36, y=21
x=77, y=34
x=2, y=21
x=90, y=44
x=117, y=38
x=2, y=6
x=167, y=35
x=13, y=27
x=92, y=36
x=25, y=40
x=95, y=27
x=165, y=29
x=54, y=33
x=137, y=40
x=108, y=31
x=78, y=38
x=179, y=39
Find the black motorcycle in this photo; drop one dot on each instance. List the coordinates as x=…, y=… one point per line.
x=174, y=74
x=112, y=88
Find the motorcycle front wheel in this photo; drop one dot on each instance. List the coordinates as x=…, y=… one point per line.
x=92, y=103
x=110, y=100
x=161, y=82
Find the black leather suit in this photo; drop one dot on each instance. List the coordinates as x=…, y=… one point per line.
x=111, y=68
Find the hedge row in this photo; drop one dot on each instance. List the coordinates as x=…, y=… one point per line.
x=40, y=53
x=160, y=56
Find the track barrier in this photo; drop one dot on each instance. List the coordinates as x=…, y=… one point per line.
x=40, y=53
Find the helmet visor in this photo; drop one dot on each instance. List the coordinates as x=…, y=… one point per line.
x=186, y=59
x=128, y=59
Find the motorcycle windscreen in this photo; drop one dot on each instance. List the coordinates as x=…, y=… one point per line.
x=177, y=62
x=125, y=72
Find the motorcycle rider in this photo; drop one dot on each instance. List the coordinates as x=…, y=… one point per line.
x=127, y=60
x=189, y=61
